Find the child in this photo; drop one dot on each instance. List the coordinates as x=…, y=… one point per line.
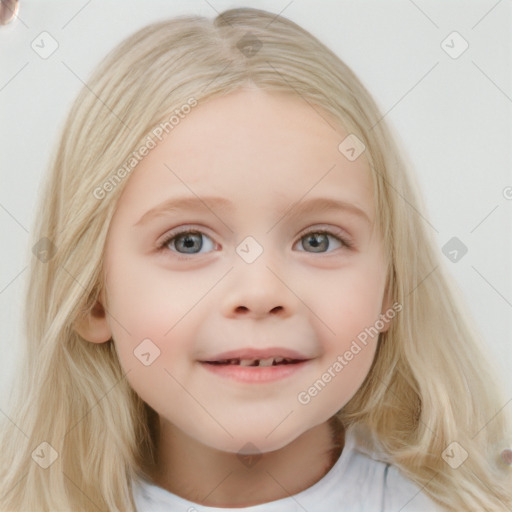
x=189, y=350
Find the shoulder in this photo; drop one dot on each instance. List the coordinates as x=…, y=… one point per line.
x=395, y=490
x=402, y=494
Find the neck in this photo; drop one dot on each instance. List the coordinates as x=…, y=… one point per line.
x=214, y=478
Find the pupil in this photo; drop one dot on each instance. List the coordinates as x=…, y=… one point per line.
x=318, y=242
x=190, y=242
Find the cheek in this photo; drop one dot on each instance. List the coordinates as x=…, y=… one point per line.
x=349, y=302
x=151, y=317
x=349, y=307
x=150, y=299
x=144, y=305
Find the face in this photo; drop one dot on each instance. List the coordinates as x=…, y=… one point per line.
x=246, y=236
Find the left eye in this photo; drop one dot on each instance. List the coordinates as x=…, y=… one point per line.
x=320, y=241
x=189, y=242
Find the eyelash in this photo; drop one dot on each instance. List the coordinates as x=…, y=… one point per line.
x=338, y=234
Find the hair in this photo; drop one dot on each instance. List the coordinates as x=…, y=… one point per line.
x=430, y=383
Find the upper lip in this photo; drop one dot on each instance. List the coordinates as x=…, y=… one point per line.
x=250, y=353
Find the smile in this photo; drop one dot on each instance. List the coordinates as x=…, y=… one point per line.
x=256, y=371
x=271, y=361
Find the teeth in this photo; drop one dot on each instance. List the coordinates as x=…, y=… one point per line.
x=271, y=361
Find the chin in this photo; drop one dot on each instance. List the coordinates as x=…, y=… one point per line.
x=251, y=441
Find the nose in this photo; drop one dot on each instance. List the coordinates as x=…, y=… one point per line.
x=257, y=290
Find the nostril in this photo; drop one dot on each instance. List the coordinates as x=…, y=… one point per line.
x=245, y=309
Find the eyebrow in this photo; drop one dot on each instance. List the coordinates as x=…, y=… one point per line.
x=186, y=204
x=223, y=205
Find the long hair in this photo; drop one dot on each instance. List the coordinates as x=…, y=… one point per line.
x=429, y=385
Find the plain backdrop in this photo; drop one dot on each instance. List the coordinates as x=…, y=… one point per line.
x=452, y=113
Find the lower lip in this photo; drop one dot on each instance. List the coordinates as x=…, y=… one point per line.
x=255, y=374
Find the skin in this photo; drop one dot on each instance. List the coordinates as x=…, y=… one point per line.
x=263, y=152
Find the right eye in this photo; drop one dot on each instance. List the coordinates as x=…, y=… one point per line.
x=188, y=242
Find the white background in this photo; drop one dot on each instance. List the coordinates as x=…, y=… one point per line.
x=453, y=116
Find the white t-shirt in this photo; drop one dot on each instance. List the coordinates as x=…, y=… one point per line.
x=359, y=481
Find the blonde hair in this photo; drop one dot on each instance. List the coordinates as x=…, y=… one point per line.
x=429, y=384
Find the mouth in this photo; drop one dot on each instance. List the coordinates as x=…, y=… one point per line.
x=250, y=365
x=256, y=366
x=269, y=361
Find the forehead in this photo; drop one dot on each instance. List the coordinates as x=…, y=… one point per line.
x=251, y=146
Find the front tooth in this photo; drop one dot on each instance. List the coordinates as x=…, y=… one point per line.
x=279, y=360
x=246, y=362
x=266, y=362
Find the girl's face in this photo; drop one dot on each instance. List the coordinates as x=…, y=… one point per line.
x=246, y=234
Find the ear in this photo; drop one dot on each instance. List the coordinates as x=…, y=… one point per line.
x=93, y=326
